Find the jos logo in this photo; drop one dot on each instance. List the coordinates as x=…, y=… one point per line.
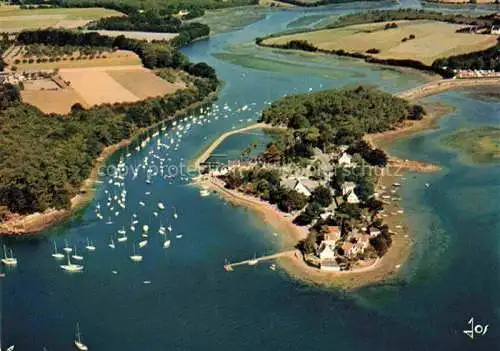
x=475, y=329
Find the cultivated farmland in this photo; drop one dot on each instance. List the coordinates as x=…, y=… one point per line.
x=46, y=57
x=432, y=40
x=95, y=86
x=15, y=19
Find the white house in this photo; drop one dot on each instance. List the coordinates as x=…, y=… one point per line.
x=303, y=186
x=345, y=160
x=374, y=232
x=352, y=198
x=220, y=172
x=325, y=215
x=348, y=187
x=327, y=259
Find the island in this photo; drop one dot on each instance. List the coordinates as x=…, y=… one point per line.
x=325, y=182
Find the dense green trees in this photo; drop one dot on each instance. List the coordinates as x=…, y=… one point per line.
x=488, y=59
x=265, y=183
x=9, y=96
x=154, y=21
x=312, y=212
x=335, y=117
x=322, y=196
x=157, y=54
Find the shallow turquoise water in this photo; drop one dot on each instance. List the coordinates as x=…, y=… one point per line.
x=193, y=304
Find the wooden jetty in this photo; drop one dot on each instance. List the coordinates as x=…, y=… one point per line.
x=253, y=261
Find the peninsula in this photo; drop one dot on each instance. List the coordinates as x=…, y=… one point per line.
x=333, y=192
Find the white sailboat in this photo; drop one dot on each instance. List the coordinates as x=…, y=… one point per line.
x=6, y=260
x=166, y=244
x=143, y=243
x=57, y=255
x=76, y=256
x=78, y=341
x=123, y=237
x=90, y=246
x=161, y=206
x=70, y=267
x=135, y=257
x=162, y=230
x=67, y=248
x=112, y=244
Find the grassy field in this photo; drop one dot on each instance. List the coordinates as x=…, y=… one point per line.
x=12, y=18
x=481, y=145
x=433, y=40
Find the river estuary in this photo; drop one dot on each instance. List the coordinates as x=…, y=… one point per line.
x=190, y=303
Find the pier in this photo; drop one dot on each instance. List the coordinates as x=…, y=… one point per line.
x=208, y=151
x=253, y=261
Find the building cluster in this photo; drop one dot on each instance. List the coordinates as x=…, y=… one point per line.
x=334, y=248
x=13, y=78
x=475, y=73
x=480, y=29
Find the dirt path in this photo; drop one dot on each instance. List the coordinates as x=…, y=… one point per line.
x=439, y=86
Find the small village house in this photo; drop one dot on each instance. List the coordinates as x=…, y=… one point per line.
x=348, y=187
x=327, y=258
x=345, y=160
x=352, y=198
x=302, y=186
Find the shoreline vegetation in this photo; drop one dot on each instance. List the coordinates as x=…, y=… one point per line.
x=376, y=269
x=36, y=222
x=50, y=179
x=477, y=58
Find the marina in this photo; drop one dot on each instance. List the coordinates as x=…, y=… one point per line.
x=146, y=194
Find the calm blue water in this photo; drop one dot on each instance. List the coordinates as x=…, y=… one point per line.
x=193, y=304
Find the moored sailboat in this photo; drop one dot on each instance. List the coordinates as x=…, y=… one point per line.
x=57, y=255
x=78, y=341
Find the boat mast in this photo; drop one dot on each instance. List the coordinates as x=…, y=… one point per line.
x=78, y=336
